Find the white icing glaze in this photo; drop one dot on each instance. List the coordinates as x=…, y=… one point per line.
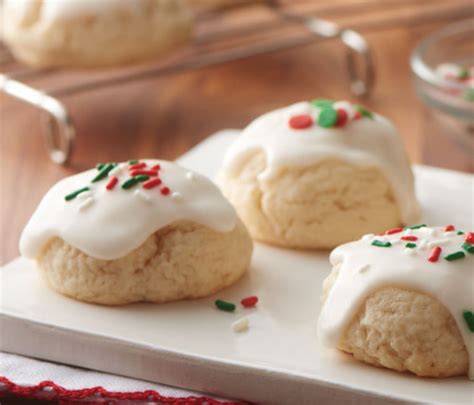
x=451, y=283
x=110, y=224
x=364, y=142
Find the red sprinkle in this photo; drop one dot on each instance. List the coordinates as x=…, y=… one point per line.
x=112, y=182
x=152, y=183
x=434, y=256
x=249, y=302
x=341, y=117
x=357, y=115
x=300, y=121
x=411, y=238
x=448, y=228
x=156, y=167
x=164, y=190
x=394, y=230
x=138, y=172
x=137, y=166
x=469, y=238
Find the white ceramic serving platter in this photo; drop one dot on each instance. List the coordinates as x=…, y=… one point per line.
x=191, y=344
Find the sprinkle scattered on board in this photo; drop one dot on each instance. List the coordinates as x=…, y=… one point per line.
x=225, y=305
x=249, y=302
x=241, y=325
x=177, y=196
x=469, y=318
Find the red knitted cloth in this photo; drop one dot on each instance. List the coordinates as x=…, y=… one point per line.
x=48, y=390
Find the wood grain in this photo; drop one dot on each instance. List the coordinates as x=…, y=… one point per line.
x=163, y=118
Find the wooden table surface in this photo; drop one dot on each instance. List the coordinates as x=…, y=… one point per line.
x=165, y=117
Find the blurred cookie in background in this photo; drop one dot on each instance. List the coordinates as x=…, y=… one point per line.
x=75, y=33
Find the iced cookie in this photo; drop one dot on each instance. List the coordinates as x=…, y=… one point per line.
x=318, y=174
x=138, y=231
x=93, y=33
x=404, y=300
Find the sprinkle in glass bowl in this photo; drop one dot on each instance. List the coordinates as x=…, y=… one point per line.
x=443, y=67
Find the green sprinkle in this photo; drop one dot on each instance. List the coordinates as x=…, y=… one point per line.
x=104, y=172
x=322, y=103
x=133, y=181
x=132, y=162
x=74, y=194
x=99, y=166
x=130, y=183
x=410, y=245
x=379, y=243
x=469, y=318
x=464, y=74
x=468, y=247
x=415, y=226
x=225, y=306
x=459, y=233
x=455, y=256
x=327, y=117
x=141, y=178
x=364, y=111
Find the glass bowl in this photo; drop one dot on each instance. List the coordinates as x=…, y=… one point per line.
x=450, y=103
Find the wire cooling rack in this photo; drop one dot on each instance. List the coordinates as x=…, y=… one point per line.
x=241, y=29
